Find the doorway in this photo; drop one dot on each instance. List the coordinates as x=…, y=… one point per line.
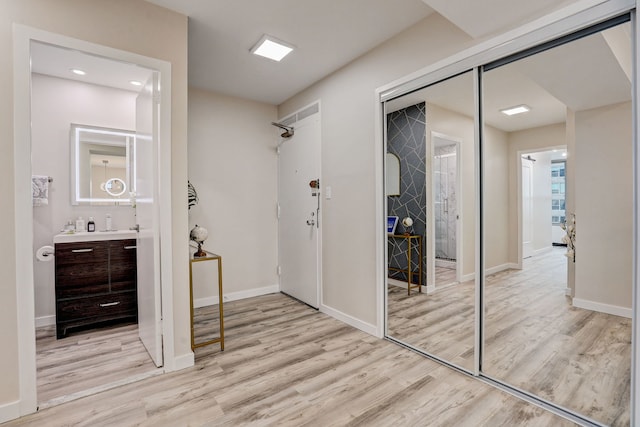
x=299, y=207
x=24, y=38
x=446, y=210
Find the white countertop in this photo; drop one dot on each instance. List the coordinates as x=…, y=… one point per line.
x=85, y=236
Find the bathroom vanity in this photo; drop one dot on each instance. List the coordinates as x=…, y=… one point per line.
x=95, y=279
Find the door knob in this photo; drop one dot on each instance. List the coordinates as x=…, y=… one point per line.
x=311, y=222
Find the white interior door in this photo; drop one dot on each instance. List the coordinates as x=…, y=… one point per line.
x=299, y=222
x=527, y=208
x=147, y=217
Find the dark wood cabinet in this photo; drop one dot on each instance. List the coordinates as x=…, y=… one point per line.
x=95, y=283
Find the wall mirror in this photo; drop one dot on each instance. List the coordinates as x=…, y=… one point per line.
x=102, y=166
x=431, y=284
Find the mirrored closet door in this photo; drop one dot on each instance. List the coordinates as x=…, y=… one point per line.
x=558, y=219
x=548, y=179
x=432, y=307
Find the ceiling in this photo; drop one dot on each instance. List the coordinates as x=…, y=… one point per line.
x=329, y=34
x=58, y=62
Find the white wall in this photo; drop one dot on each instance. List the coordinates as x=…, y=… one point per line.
x=56, y=103
x=233, y=166
x=131, y=26
x=496, y=200
x=603, y=207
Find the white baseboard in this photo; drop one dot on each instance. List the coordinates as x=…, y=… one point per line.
x=352, y=321
x=568, y=292
x=184, y=361
x=502, y=267
x=9, y=411
x=467, y=277
x=445, y=263
x=234, y=296
x=401, y=284
x=45, y=321
x=603, y=308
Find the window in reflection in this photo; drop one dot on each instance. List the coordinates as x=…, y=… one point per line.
x=557, y=322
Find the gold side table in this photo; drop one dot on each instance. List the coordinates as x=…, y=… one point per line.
x=208, y=257
x=409, y=271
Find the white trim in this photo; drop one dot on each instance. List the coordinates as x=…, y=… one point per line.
x=24, y=220
x=381, y=208
x=350, y=320
x=635, y=323
x=10, y=411
x=183, y=361
x=568, y=292
x=603, y=308
x=22, y=36
x=45, y=321
x=235, y=296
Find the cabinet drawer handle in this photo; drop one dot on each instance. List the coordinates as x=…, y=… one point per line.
x=110, y=304
x=81, y=250
x=130, y=247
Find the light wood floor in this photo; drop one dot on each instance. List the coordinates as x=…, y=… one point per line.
x=534, y=338
x=286, y=364
x=445, y=275
x=87, y=361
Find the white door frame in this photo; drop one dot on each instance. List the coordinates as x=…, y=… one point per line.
x=22, y=37
x=319, y=218
x=431, y=248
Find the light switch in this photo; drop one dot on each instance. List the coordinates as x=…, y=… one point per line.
x=327, y=192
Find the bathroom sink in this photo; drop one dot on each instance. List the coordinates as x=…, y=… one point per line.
x=85, y=236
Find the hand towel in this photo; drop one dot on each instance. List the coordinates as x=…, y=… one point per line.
x=40, y=190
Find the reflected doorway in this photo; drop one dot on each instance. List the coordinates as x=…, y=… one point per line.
x=446, y=211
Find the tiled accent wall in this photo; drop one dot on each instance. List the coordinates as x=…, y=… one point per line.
x=406, y=133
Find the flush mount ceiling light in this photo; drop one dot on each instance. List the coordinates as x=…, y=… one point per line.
x=272, y=48
x=518, y=109
x=78, y=71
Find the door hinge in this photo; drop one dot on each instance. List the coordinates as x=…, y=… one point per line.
x=279, y=270
x=278, y=150
x=278, y=210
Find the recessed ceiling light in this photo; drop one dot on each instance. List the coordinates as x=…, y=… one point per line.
x=78, y=71
x=518, y=109
x=135, y=82
x=272, y=48
x=564, y=154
